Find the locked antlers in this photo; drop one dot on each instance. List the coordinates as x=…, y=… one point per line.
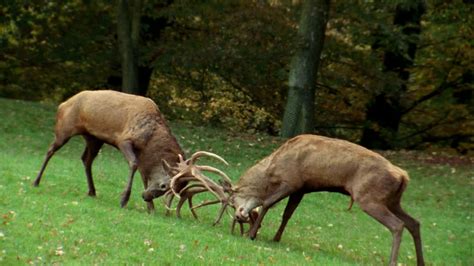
x=190, y=181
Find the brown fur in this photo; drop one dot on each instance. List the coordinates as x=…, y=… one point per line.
x=310, y=163
x=131, y=123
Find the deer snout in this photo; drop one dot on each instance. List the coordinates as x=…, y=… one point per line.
x=149, y=195
x=155, y=191
x=241, y=214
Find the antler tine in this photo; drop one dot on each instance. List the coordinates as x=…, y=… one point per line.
x=173, y=182
x=214, y=170
x=187, y=194
x=193, y=185
x=207, y=182
x=168, y=199
x=198, y=182
x=198, y=154
x=221, y=213
x=206, y=203
x=195, y=176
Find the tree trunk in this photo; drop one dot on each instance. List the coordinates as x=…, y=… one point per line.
x=155, y=27
x=299, y=111
x=128, y=29
x=385, y=111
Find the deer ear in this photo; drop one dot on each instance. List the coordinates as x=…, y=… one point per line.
x=166, y=166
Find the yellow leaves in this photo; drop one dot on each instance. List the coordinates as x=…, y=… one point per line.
x=8, y=217
x=59, y=251
x=2, y=254
x=69, y=221
x=148, y=244
x=307, y=257
x=236, y=112
x=215, y=102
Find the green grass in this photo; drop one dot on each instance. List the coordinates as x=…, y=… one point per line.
x=57, y=223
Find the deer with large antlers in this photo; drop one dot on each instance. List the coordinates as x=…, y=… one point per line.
x=131, y=123
x=310, y=163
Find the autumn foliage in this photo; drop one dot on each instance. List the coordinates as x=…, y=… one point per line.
x=226, y=63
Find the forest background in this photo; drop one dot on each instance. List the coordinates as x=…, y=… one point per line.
x=390, y=74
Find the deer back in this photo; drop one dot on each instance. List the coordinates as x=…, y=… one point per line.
x=109, y=115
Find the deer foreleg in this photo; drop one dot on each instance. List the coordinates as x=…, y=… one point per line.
x=127, y=149
x=282, y=192
x=293, y=202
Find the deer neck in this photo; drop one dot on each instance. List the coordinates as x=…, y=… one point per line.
x=159, y=147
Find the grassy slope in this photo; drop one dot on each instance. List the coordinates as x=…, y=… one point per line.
x=58, y=223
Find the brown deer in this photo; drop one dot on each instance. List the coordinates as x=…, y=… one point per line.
x=133, y=124
x=310, y=163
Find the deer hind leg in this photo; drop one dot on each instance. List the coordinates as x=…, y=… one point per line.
x=293, y=202
x=382, y=214
x=413, y=227
x=58, y=142
x=126, y=148
x=93, y=146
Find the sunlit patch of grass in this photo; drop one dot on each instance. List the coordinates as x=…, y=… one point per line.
x=57, y=223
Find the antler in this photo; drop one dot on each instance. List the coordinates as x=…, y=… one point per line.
x=198, y=154
x=197, y=183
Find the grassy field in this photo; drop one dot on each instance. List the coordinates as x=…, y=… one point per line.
x=57, y=223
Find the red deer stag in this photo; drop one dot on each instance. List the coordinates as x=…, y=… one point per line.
x=310, y=163
x=131, y=123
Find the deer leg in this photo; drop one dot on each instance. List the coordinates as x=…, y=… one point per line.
x=280, y=193
x=413, y=227
x=93, y=146
x=253, y=230
x=232, y=228
x=382, y=214
x=241, y=226
x=55, y=146
x=150, y=206
x=293, y=202
x=127, y=149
